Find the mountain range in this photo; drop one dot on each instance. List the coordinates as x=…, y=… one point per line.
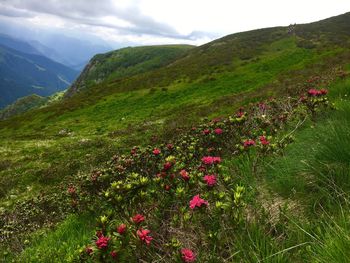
x=24, y=71
x=72, y=50
x=58, y=49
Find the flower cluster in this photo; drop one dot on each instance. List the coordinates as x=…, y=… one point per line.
x=187, y=255
x=102, y=242
x=198, y=202
x=248, y=143
x=121, y=229
x=210, y=160
x=181, y=182
x=315, y=92
x=210, y=180
x=144, y=236
x=137, y=219
x=264, y=140
x=184, y=175
x=156, y=151
x=218, y=131
x=111, y=241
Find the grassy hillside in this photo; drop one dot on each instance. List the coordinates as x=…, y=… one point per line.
x=27, y=103
x=22, y=105
x=267, y=203
x=124, y=63
x=46, y=150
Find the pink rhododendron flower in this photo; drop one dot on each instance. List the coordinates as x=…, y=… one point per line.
x=156, y=151
x=248, y=143
x=216, y=160
x=263, y=140
x=167, y=166
x=137, y=219
x=210, y=180
x=197, y=202
x=315, y=92
x=170, y=146
x=209, y=160
x=218, y=131
x=114, y=254
x=71, y=190
x=206, y=131
x=187, y=255
x=143, y=235
x=240, y=114
x=262, y=106
x=323, y=91
x=102, y=242
x=184, y=175
x=121, y=229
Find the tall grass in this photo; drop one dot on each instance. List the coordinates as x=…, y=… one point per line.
x=318, y=162
x=60, y=245
x=315, y=173
x=333, y=240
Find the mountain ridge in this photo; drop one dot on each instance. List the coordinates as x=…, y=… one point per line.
x=18, y=45
x=126, y=62
x=22, y=74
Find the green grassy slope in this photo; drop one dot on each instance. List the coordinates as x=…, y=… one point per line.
x=22, y=105
x=126, y=62
x=295, y=206
x=30, y=102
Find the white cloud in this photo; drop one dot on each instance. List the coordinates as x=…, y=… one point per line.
x=166, y=21
x=229, y=16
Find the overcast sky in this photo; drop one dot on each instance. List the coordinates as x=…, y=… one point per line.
x=141, y=22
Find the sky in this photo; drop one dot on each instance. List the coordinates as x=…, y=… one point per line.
x=144, y=22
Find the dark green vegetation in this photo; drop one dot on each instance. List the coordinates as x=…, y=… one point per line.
x=22, y=105
x=27, y=103
x=46, y=149
x=22, y=74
